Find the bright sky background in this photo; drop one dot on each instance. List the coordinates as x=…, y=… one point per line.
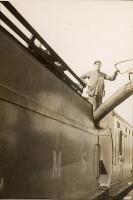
x=82, y=31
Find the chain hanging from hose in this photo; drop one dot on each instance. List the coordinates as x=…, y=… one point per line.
x=128, y=71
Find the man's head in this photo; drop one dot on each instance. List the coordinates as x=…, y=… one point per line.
x=97, y=65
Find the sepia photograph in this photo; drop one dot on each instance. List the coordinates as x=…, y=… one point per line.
x=66, y=99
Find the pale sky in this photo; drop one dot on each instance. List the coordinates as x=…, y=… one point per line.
x=82, y=31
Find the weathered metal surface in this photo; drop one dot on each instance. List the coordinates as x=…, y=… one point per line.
x=47, y=143
x=49, y=146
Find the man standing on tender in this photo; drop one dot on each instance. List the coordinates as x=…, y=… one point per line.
x=94, y=90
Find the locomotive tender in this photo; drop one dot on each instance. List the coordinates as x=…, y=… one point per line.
x=50, y=147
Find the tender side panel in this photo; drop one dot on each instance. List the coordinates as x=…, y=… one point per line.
x=46, y=149
x=21, y=72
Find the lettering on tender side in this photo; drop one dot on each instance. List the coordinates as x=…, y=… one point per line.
x=84, y=162
x=56, y=165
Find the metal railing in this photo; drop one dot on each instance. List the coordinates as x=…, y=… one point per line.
x=49, y=56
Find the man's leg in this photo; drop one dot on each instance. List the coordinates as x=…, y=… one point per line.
x=93, y=101
x=96, y=101
x=99, y=101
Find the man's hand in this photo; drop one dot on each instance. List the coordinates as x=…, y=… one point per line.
x=118, y=71
x=85, y=82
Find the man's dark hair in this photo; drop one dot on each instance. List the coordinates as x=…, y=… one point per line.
x=97, y=61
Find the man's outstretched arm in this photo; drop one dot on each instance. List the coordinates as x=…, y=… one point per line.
x=113, y=77
x=84, y=76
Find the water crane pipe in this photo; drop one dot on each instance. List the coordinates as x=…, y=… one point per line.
x=117, y=98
